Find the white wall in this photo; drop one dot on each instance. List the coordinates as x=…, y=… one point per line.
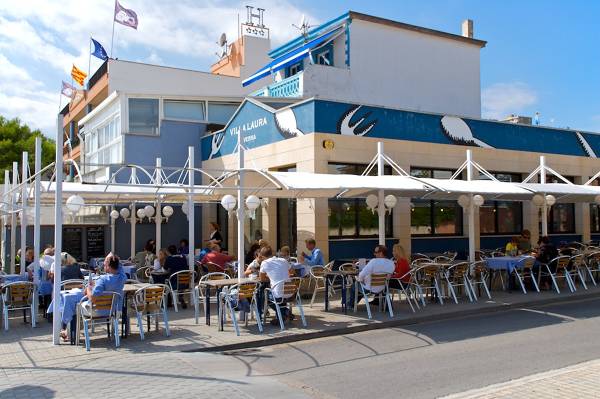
x=399, y=68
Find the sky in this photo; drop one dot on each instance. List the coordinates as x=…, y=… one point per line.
x=541, y=55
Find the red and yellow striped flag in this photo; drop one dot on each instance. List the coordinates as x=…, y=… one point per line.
x=78, y=75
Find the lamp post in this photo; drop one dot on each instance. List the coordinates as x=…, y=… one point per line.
x=24, y=164
x=375, y=204
x=58, y=170
x=545, y=202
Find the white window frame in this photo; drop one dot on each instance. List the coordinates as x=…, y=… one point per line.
x=179, y=100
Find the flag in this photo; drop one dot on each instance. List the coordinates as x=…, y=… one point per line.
x=78, y=75
x=99, y=51
x=125, y=16
x=67, y=90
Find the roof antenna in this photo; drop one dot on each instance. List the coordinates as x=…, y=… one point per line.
x=303, y=27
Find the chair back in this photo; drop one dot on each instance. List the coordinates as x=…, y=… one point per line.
x=479, y=267
x=103, y=306
x=150, y=298
x=143, y=274
x=594, y=258
x=245, y=291
x=479, y=256
x=18, y=293
x=528, y=262
x=451, y=254
x=215, y=276
x=290, y=287
x=348, y=267
x=329, y=266
x=318, y=271
x=442, y=259
x=379, y=280
x=562, y=262
x=419, y=261
x=578, y=260
x=459, y=270
x=183, y=277
x=418, y=255
x=71, y=284
x=212, y=267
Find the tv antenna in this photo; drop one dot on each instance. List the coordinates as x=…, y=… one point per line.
x=303, y=27
x=223, y=44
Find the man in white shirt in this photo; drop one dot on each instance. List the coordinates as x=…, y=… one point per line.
x=379, y=264
x=276, y=271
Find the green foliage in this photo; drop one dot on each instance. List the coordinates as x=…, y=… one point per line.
x=16, y=137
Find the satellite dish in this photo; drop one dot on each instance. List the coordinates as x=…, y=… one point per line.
x=223, y=39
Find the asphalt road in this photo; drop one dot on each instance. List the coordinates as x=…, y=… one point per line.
x=433, y=359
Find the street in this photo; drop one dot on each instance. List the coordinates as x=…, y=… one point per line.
x=421, y=361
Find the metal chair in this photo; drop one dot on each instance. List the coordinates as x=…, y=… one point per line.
x=318, y=275
x=199, y=295
x=182, y=282
x=524, y=270
x=457, y=277
x=236, y=294
x=593, y=265
x=427, y=280
x=150, y=301
x=479, y=276
x=290, y=295
x=577, y=264
x=103, y=309
x=19, y=295
x=561, y=271
x=72, y=284
x=379, y=288
x=443, y=259
x=143, y=274
x=406, y=289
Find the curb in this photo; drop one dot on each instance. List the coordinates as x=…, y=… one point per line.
x=500, y=307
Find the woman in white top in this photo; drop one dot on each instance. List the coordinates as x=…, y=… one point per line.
x=159, y=262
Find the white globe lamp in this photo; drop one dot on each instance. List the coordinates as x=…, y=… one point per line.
x=140, y=213
x=252, y=203
x=114, y=214
x=149, y=211
x=538, y=200
x=390, y=201
x=550, y=200
x=478, y=200
x=228, y=202
x=124, y=212
x=167, y=211
x=75, y=203
x=463, y=201
x=372, y=202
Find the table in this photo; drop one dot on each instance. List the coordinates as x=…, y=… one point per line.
x=129, y=270
x=69, y=302
x=507, y=263
x=128, y=289
x=218, y=285
x=343, y=274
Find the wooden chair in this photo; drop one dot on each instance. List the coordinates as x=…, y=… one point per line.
x=236, y=294
x=104, y=309
x=150, y=301
x=457, y=278
x=290, y=295
x=318, y=276
x=578, y=265
x=524, y=270
x=143, y=274
x=561, y=271
x=199, y=291
x=379, y=288
x=427, y=277
x=18, y=295
x=479, y=276
x=182, y=282
x=593, y=265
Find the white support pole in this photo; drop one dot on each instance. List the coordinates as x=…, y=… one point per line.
x=13, y=218
x=112, y=231
x=133, y=220
x=544, y=207
x=36, y=211
x=241, y=209
x=381, y=195
x=24, y=164
x=471, y=209
x=191, y=221
x=5, y=219
x=157, y=212
x=56, y=314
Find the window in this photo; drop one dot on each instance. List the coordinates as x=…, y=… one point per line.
x=103, y=146
x=287, y=227
x=595, y=212
x=294, y=69
x=350, y=217
x=561, y=217
x=143, y=115
x=323, y=55
x=185, y=110
x=221, y=112
x=501, y=217
x=434, y=217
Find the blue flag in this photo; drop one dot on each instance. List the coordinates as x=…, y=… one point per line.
x=99, y=51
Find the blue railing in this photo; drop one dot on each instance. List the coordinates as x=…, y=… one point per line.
x=288, y=87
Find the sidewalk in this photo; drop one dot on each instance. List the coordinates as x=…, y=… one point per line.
x=578, y=381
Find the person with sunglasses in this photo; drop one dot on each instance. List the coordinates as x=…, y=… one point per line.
x=379, y=264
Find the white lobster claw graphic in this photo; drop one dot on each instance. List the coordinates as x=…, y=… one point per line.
x=357, y=128
x=586, y=146
x=287, y=124
x=217, y=142
x=458, y=131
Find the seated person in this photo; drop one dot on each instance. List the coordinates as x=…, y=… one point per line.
x=113, y=280
x=379, y=264
x=525, y=241
x=254, y=267
x=70, y=269
x=217, y=257
x=173, y=264
x=400, y=275
x=184, y=248
x=545, y=253
x=159, y=262
x=251, y=254
x=512, y=248
x=146, y=257
x=315, y=257
x=275, y=271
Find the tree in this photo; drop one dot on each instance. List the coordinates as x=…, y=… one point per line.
x=16, y=137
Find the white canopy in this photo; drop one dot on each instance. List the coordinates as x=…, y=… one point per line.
x=564, y=192
x=451, y=189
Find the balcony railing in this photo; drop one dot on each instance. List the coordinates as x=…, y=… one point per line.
x=288, y=87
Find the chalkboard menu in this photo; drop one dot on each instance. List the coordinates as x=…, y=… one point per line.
x=72, y=242
x=95, y=242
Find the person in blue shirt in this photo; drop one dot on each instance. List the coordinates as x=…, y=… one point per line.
x=315, y=257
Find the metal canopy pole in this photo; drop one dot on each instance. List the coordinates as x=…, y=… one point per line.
x=380, y=194
x=157, y=213
x=13, y=218
x=5, y=219
x=36, y=211
x=471, y=209
x=24, y=163
x=241, y=210
x=57, y=316
x=112, y=231
x=544, y=207
x=133, y=220
x=191, y=221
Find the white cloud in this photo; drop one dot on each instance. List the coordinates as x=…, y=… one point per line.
x=50, y=36
x=502, y=99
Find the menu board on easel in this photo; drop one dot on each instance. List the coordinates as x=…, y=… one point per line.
x=72, y=241
x=95, y=242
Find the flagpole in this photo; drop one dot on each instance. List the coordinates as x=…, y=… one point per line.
x=113, y=31
x=89, y=58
